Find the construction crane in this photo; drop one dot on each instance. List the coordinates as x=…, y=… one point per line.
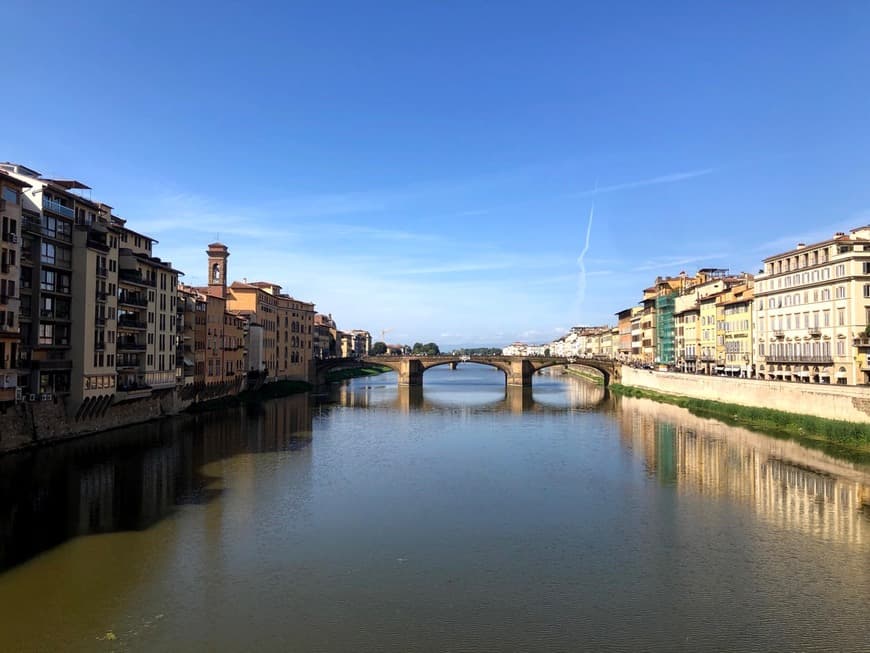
x=384, y=332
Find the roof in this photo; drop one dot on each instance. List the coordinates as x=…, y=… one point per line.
x=9, y=179
x=69, y=184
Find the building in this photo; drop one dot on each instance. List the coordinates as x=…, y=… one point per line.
x=97, y=307
x=324, y=338
x=812, y=310
x=286, y=324
x=623, y=325
x=10, y=304
x=734, y=326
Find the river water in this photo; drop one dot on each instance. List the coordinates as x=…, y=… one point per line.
x=459, y=517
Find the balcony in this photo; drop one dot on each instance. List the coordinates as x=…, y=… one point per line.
x=131, y=323
x=31, y=224
x=129, y=345
x=10, y=237
x=4, y=268
x=101, y=296
x=100, y=345
x=132, y=276
x=800, y=358
x=102, y=271
x=690, y=358
x=56, y=207
x=100, y=321
x=131, y=299
x=863, y=341
x=54, y=316
x=705, y=358
x=815, y=332
x=97, y=245
x=779, y=334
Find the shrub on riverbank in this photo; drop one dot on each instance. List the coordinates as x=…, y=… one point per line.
x=356, y=372
x=850, y=434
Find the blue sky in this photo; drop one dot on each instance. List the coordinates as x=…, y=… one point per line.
x=429, y=168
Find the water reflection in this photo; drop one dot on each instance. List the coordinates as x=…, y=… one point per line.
x=469, y=392
x=131, y=478
x=784, y=483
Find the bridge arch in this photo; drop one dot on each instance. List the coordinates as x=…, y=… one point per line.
x=518, y=370
x=605, y=369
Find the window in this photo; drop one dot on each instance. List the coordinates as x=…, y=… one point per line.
x=10, y=195
x=840, y=292
x=47, y=280
x=47, y=253
x=46, y=334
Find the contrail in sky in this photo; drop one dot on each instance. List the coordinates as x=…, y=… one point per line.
x=581, y=286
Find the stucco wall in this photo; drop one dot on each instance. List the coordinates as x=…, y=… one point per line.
x=829, y=401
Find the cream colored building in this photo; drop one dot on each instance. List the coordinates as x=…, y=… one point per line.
x=812, y=307
x=98, y=308
x=10, y=305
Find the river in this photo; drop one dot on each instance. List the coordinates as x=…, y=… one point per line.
x=456, y=517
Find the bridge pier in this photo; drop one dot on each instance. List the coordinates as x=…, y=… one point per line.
x=520, y=373
x=411, y=372
x=453, y=366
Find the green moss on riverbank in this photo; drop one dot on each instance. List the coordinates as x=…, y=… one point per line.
x=842, y=436
x=356, y=372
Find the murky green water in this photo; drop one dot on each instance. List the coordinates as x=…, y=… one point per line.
x=459, y=518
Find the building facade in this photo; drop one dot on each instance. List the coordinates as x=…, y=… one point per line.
x=812, y=309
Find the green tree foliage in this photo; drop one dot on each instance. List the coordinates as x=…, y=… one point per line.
x=429, y=349
x=379, y=348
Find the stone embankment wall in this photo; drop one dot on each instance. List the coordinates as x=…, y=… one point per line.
x=26, y=424
x=848, y=403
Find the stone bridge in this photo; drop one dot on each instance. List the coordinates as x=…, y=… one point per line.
x=518, y=370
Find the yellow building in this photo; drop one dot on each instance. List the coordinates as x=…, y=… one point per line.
x=734, y=327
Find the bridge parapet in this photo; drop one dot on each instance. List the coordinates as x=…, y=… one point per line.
x=518, y=370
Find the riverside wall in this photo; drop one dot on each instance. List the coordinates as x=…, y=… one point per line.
x=33, y=423
x=848, y=403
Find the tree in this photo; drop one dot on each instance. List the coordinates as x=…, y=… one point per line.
x=431, y=348
x=379, y=348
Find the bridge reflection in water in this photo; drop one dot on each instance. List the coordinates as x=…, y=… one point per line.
x=511, y=399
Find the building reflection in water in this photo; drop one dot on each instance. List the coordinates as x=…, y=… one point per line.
x=784, y=482
x=130, y=478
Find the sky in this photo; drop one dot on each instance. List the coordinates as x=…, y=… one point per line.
x=427, y=170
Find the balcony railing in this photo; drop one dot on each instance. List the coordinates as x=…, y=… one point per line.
x=56, y=207
x=101, y=296
x=132, y=300
x=132, y=276
x=815, y=332
x=778, y=333
x=800, y=358
x=128, y=323
x=97, y=245
x=862, y=342
x=130, y=346
x=102, y=271
x=100, y=321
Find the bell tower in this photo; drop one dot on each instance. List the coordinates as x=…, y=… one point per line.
x=217, y=269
